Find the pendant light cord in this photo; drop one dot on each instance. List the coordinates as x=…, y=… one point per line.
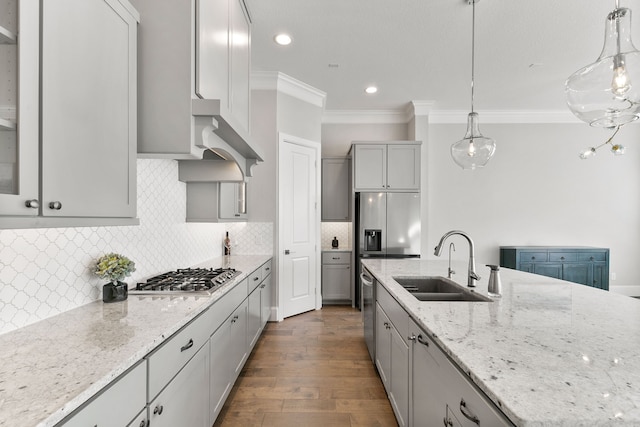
x=473, y=48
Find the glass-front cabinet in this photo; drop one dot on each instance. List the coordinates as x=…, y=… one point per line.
x=19, y=107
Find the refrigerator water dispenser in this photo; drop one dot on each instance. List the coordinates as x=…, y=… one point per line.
x=373, y=240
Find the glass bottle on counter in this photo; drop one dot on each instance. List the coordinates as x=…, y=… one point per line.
x=227, y=244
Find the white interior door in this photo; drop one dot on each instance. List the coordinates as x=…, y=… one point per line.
x=299, y=226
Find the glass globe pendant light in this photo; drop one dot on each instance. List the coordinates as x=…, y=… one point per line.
x=474, y=150
x=607, y=92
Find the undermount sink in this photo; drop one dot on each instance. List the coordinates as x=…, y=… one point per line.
x=436, y=288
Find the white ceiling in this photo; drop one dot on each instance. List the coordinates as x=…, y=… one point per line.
x=421, y=50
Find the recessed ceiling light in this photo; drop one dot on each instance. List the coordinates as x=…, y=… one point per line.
x=371, y=89
x=282, y=39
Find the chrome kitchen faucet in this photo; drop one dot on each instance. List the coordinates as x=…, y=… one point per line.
x=472, y=264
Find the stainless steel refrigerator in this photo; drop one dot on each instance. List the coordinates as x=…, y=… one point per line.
x=387, y=226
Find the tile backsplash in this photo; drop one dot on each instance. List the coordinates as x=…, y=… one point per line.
x=44, y=272
x=340, y=230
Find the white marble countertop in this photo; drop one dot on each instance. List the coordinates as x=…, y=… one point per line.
x=548, y=353
x=339, y=249
x=52, y=367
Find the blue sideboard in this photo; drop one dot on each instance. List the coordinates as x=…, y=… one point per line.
x=580, y=264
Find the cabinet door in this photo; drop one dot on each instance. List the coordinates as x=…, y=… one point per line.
x=240, y=55
x=600, y=275
x=212, y=47
x=336, y=282
x=426, y=397
x=383, y=346
x=266, y=290
x=19, y=99
x=370, y=168
x=578, y=273
x=232, y=204
x=403, y=167
x=399, y=377
x=238, y=349
x=254, y=324
x=88, y=102
x=220, y=369
x=185, y=401
x=549, y=270
x=336, y=191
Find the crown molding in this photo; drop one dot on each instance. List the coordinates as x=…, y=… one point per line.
x=280, y=82
x=425, y=108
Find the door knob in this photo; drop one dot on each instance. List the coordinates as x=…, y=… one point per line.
x=287, y=251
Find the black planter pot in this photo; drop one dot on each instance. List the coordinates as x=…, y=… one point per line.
x=115, y=292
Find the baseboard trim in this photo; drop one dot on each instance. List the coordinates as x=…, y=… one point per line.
x=630, y=291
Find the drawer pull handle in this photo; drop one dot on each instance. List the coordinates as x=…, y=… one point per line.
x=235, y=318
x=590, y=258
x=255, y=279
x=56, y=206
x=412, y=338
x=187, y=346
x=447, y=422
x=33, y=204
x=263, y=286
x=468, y=415
x=268, y=269
x=144, y=423
x=533, y=257
x=158, y=410
x=422, y=341
x=336, y=258
x=562, y=258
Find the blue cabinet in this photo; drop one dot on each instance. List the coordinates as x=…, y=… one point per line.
x=585, y=265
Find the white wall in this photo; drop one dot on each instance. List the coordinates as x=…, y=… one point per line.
x=535, y=191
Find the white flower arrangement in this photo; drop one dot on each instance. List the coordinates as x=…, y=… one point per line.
x=114, y=267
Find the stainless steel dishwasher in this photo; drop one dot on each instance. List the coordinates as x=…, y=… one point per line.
x=368, y=304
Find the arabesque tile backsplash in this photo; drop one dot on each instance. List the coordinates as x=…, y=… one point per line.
x=44, y=272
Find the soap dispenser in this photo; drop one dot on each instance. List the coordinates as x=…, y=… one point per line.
x=334, y=242
x=495, y=287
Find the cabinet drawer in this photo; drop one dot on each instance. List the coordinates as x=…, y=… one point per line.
x=592, y=256
x=266, y=269
x=221, y=309
x=533, y=257
x=127, y=394
x=563, y=256
x=394, y=310
x=336, y=257
x=254, y=280
x=167, y=361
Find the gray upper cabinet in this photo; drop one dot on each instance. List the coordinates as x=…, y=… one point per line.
x=386, y=167
x=336, y=190
x=19, y=97
x=194, y=81
x=77, y=113
x=88, y=109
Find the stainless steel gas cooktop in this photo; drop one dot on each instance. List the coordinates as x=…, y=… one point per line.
x=188, y=280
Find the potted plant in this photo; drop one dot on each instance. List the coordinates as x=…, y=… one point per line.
x=114, y=267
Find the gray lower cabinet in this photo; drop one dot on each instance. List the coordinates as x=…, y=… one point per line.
x=392, y=353
x=425, y=388
x=585, y=265
x=336, y=277
x=127, y=393
x=441, y=393
x=184, y=402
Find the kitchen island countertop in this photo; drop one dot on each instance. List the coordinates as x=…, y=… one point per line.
x=53, y=366
x=548, y=353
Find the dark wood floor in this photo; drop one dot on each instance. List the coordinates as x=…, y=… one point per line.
x=310, y=370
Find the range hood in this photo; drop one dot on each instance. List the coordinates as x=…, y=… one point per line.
x=226, y=155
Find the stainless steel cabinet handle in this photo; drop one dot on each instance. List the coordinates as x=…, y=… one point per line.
x=412, y=338
x=422, y=341
x=336, y=258
x=468, y=415
x=33, y=204
x=56, y=206
x=158, y=410
x=255, y=279
x=187, y=346
x=267, y=269
x=235, y=318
